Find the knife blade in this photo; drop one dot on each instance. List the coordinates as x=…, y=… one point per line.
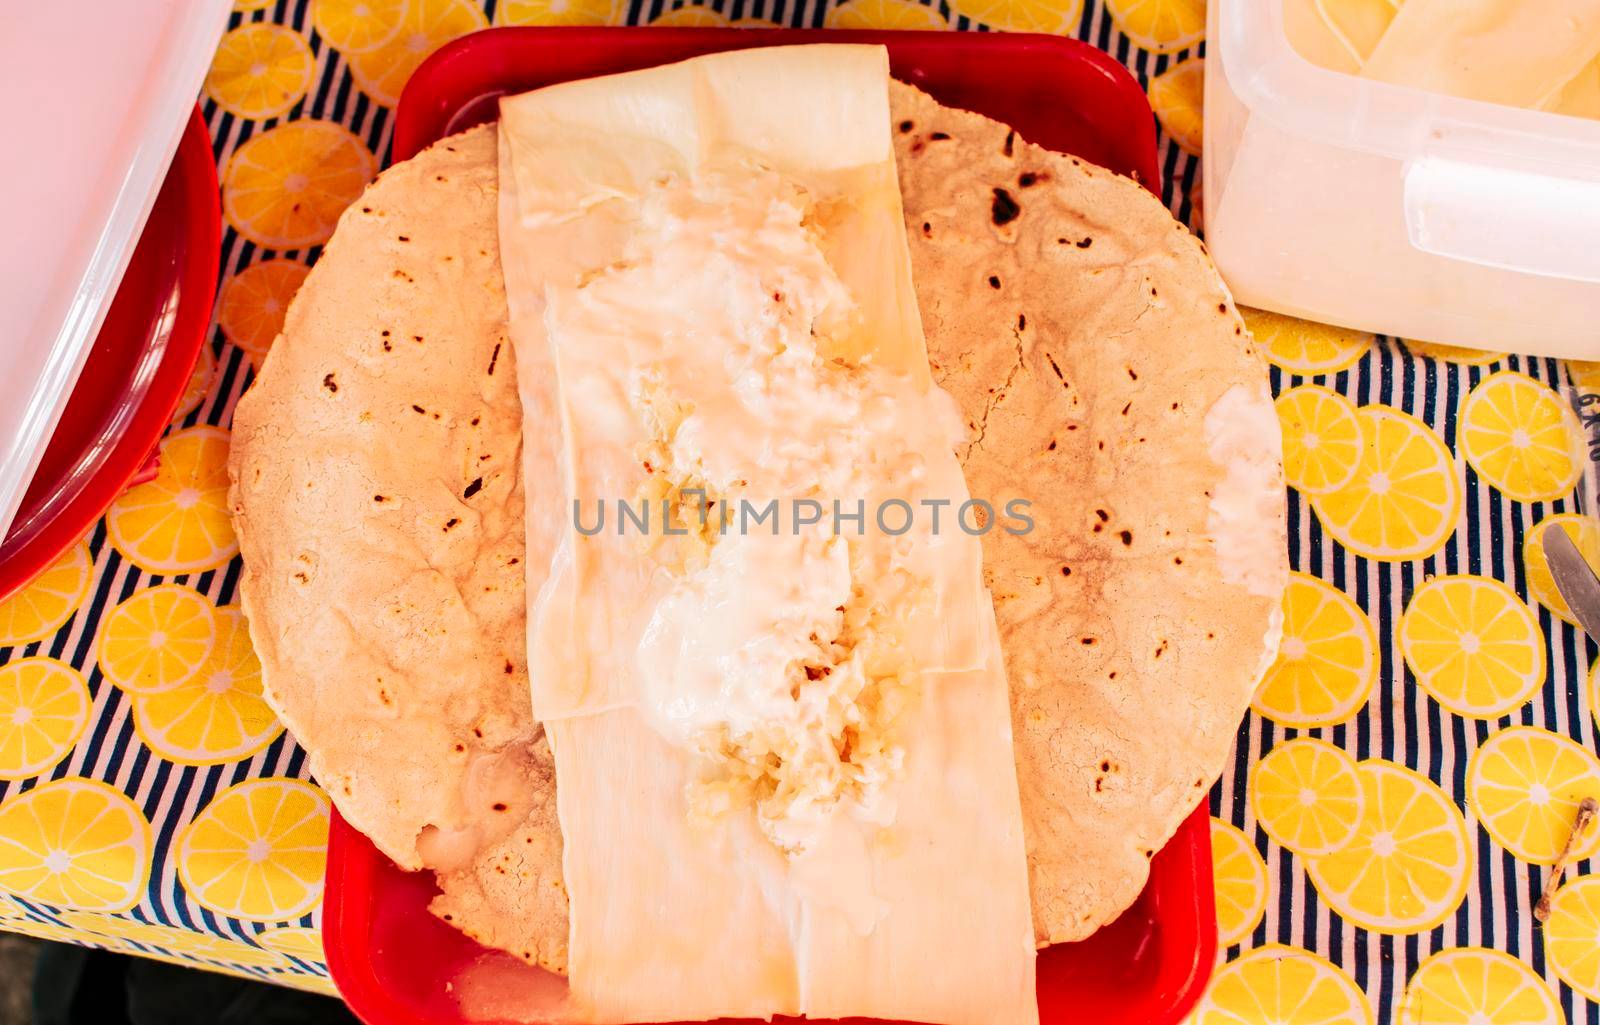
x=1574, y=578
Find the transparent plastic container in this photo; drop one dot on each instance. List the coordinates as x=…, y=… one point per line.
x=94, y=96
x=1393, y=210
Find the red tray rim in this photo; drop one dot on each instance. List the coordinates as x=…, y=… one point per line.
x=353, y=862
x=415, y=129
x=351, y=866
x=201, y=214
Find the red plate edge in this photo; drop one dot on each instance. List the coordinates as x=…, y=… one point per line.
x=1126, y=973
x=465, y=76
x=456, y=88
x=184, y=227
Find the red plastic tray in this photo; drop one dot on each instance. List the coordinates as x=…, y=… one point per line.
x=393, y=961
x=135, y=373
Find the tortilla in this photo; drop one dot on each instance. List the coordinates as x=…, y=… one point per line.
x=377, y=493
x=1087, y=337
x=1089, y=369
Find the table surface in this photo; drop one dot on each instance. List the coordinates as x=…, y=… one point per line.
x=1394, y=798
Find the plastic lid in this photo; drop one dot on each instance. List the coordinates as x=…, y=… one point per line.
x=1497, y=186
x=1276, y=83
x=94, y=95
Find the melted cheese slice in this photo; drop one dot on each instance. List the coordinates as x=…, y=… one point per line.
x=1516, y=52
x=913, y=905
x=927, y=920
x=583, y=155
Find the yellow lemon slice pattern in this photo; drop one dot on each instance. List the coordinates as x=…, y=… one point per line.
x=1594, y=691
x=1308, y=797
x=218, y=714
x=1585, y=534
x=560, y=12
x=75, y=843
x=1282, y=985
x=285, y=188
x=1475, y=986
x=356, y=26
x=44, y=707
x=295, y=941
x=45, y=604
x=174, y=939
x=426, y=25
x=1327, y=661
x=1405, y=497
x=178, y=523
x=199, y=384
x=1160, y=26
x=1321, y=439
x=886, y=14
x=257, y=851
x=1177, y=95
x=311, y=983
x=1304, y=347
x=260, y=70
x=53, y=933
x=1585, y=375
x=692, y=16
x=1453, y=353
x=157, y=639
x=1053, y=16
x=254, y=302
x=1524, y=785
x=1520, y=437
x=1408, y=866
x=202, y=964
x=218, y=949
x=1239, y=877
x=1473, y=645
x=1572, y=935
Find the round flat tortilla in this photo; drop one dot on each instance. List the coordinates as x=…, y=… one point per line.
x=1090, y=342
x=378, y=497
x=1093, y=375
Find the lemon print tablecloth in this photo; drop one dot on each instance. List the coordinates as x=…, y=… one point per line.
x=1409, y=770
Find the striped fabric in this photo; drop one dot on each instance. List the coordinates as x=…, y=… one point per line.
x=157, y=856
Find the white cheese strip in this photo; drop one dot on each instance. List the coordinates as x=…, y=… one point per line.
x=922, y=922
x=1516, y=52
x=583, y=154
x=577, y=145
x=669, y=923
x=543, y=459
x=955, y=838
x=885, y=874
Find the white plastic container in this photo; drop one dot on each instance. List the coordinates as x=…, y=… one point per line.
x=1393, y=210
x=94, y=95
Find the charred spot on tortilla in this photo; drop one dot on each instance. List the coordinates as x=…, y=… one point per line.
x=1004, y=209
